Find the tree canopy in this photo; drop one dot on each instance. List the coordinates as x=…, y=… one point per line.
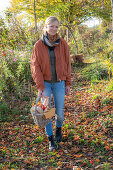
x=66, y=10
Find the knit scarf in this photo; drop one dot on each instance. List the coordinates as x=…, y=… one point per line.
x=50, y=40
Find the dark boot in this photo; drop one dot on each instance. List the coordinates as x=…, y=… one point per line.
x=58, y=135
x=51, y=143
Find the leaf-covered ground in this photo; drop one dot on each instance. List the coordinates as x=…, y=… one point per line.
x=87, y=133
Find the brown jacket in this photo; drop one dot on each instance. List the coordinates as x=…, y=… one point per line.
x=41, y=67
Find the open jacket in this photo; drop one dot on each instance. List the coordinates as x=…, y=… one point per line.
x=41, y=66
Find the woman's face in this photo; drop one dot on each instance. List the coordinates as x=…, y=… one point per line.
x=52, y=28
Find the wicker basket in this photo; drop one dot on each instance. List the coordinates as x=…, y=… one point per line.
x=41, y=119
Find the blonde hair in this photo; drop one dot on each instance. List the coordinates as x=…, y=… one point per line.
x=50, y=20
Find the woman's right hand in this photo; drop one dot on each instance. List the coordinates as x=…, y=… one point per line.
x=40, y=93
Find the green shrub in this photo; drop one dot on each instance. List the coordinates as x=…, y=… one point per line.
x=96, y=71
x=106, y=101
x=38, y=139
x=4, y=111
x=15, y=72
x=110, y=86
x=4, y=108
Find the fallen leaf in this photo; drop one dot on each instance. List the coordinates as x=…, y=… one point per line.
x=78, y=156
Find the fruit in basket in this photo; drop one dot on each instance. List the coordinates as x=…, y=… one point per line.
x=42, y=105
x=45, y=102
x=39, y=109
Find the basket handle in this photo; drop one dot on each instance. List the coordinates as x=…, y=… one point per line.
x=37, y=102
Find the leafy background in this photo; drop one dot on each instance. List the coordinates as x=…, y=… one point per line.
x=88, y=125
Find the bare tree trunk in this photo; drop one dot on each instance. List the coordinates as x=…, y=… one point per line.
x=74, y=40
x=35, y=18
x=69, y=29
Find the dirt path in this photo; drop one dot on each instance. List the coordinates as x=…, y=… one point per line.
x=87, y=135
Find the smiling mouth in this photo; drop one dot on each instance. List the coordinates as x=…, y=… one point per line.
x=54, y=32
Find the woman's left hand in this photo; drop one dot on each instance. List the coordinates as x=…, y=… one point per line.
x=67, y=90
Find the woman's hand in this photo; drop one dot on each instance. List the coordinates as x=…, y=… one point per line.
x=67, y=90
x=40, y=93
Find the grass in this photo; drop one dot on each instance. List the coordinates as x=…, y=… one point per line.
x=96, y=72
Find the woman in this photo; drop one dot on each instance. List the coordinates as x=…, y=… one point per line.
x=51, y=71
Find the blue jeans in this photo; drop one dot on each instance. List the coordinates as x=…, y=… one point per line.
x=58, y=90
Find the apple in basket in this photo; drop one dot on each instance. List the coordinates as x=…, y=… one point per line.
x=43, y=106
